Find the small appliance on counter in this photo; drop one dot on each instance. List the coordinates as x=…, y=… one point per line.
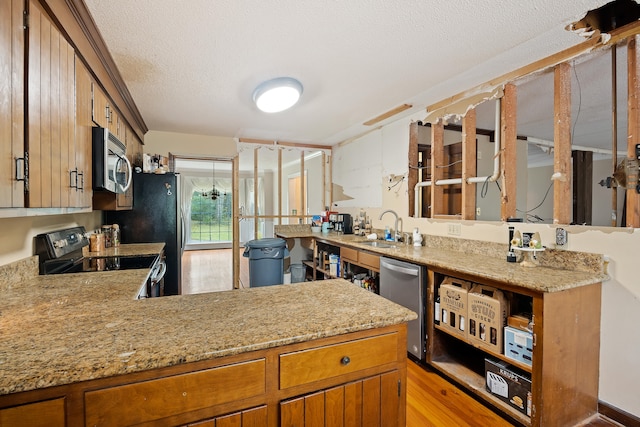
x=328, y=216
x=61, y=252
x=344, y=224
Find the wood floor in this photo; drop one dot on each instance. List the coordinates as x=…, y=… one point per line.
x=432, y=401
x=211, y=271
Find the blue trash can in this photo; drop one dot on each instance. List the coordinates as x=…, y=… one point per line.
x=266, y=261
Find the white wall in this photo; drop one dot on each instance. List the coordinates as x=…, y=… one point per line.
x=18, y=233
x=359, y=168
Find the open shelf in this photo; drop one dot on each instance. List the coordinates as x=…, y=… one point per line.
x=519, y=365
x=464, y=364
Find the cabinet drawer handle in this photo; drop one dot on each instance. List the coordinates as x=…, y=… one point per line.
x=345, y=360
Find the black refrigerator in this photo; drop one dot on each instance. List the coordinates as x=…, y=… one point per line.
x=156, y=217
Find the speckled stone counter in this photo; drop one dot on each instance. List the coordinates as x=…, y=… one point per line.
x=559, y=270
x=74, y=327
x=130, y=249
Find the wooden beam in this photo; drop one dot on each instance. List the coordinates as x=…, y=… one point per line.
x=469, y=165
x=303, y=193
x=412, y=161
x=256, y=221
x=388, y=114
x=508, y=160
x=437, y=172
x=633, y=124
x=279, y=187
x=562, y=144
x=235, y=184
x=617, y=35
x=284, y=143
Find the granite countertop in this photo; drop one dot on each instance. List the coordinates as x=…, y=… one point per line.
x=74, y=327
x=559, y=270
x=129, y=249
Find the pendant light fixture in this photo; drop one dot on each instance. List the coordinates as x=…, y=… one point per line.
x=278, y=94
x=214, y=193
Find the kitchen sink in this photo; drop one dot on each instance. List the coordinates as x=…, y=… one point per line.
x=377, y=244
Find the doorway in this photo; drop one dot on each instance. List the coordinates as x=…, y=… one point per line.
x=207, y=206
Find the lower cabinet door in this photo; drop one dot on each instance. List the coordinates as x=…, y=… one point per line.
x=254, y=417
x=370, y=402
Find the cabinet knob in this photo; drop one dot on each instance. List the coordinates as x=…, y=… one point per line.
x=345, y=360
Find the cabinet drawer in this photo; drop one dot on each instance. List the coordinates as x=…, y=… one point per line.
x=369, y=260
x=306, y=366
x=156, y=399
x=348, y=254
x=49, y=413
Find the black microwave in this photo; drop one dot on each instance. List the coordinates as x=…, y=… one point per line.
x=111, y=168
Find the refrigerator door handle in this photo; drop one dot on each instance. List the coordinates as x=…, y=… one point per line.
x=182, y=234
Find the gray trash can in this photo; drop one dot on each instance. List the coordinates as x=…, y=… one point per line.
x=266, y=265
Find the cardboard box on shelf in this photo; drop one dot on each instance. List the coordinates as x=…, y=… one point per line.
x=509, y=384
x=453, y=306
x=487, y=317
x=518, y=345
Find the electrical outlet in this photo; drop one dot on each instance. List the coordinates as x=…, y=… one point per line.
x=561, y=237
x=478, y=211
x=454, y=229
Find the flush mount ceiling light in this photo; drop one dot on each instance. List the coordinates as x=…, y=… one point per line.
x=277, y=95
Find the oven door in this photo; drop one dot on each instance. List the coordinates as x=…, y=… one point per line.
x=111, y=167
x=156, y=280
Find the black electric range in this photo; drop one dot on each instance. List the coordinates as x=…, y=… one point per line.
x=62, y=252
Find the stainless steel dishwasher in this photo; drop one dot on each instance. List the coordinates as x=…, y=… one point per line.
x=405, y=284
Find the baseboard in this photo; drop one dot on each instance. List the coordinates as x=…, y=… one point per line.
x=618, y=415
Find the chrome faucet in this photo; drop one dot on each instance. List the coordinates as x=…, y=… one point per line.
x=395, y=227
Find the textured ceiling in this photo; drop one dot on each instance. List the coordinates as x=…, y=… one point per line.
x=192, y=65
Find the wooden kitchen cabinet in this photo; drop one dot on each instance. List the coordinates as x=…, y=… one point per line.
x=12, y=149
x=50, y=112
x=104, y=113
x=49, y=413
x=149, y=401
x=361, y=258
x=81, y=176
x=254, y=389
x=99, y=106
x=565, y=358
x=374, y=401
x=254, y=417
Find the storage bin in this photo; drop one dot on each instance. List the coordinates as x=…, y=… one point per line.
x=298, y=273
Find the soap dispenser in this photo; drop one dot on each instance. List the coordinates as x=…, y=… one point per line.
x=417, y=237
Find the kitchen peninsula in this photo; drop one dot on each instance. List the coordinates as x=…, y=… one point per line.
x=78, y=349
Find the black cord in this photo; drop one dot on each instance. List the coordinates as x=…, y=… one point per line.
x=575, y=73
x=540, y=204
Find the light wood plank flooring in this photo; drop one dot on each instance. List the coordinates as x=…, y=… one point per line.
x=211, y=271
x=434, y=402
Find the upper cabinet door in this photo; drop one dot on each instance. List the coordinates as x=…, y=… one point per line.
x=12, y=150
x=100, y=106
x=83, y=143
x=51, y=120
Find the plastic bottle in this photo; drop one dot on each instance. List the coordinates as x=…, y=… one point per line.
x=115, y=235
x=387, y=233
